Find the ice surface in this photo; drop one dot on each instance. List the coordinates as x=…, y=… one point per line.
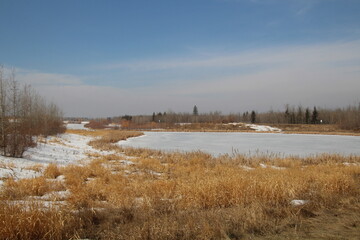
x=80, y=126
x=247, y=143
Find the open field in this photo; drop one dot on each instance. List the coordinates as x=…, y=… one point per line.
x=126, y=193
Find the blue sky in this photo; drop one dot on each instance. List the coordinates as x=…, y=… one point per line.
x=107, y=58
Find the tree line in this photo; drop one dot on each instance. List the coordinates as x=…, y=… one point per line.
x=347, y=118
x=24, y=114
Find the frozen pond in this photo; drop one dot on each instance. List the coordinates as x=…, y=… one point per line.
x=245, y=143
x=77, y=126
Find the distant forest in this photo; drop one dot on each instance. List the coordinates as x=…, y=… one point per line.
x=347, y=118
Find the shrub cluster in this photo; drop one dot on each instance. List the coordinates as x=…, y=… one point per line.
x=23, y=115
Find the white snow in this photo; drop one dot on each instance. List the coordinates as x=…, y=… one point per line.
x=247, y=168
x=127, y=162
x=258, y=128
x=350, y=164
x=263, y=165
x=62, y=149
x=183, y=124
x=234, y=123
x=297, y=202
x=263, y=128
x=53, y=196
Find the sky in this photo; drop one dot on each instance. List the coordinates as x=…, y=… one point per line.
x=111, y=58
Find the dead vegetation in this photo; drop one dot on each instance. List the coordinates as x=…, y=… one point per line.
x=31, y=221
x=325, y=129
x=156, y=195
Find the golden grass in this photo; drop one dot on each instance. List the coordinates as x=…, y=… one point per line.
x=30, y=221
x=324, y=129
x=108, y=137
x=187, y=196
x=106, y=133
x=211, y=127
x=35, y=167
x=52, y=171
x=13, y=189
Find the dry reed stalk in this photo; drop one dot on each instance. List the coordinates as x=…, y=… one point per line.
x=52, y=171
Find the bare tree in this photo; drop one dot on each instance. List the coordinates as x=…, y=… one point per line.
x=3, y=110
x=23, y=115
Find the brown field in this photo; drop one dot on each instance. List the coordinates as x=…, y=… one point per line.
x=185, y=196
x=327, y=129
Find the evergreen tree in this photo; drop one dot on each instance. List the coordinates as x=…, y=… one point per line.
x=300, y=115
x=253, y=117
x=307, y=116
x=195, y=111
x=287, y=114
x=314, y=117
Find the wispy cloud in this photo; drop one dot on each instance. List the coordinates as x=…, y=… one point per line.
x=321, y=74
x=304, y=7
x=318, y=53
x=300, y=7
x=37, y=78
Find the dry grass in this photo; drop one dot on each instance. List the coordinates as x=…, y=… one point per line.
x=105, y=142
x=211, y=127
x=326, y=129
x=18, y=189
x=35, y=168
x=52, y=171
x=30, y=221
x=190, y=196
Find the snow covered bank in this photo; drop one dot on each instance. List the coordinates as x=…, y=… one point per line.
x=63, y=149
x=263, y=128
x=256, y=127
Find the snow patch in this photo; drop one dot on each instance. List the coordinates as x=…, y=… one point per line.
x=263, y=165
x=53, y=196
x=350, y=164
x=183, y=124
x=263, y=128
x=297, y=202
x=127, y=162
x=247, y=168
x=63, y=149
x=234, y=124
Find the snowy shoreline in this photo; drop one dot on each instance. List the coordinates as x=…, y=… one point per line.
x=62, y=149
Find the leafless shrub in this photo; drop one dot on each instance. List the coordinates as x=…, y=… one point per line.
x=23, y=114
